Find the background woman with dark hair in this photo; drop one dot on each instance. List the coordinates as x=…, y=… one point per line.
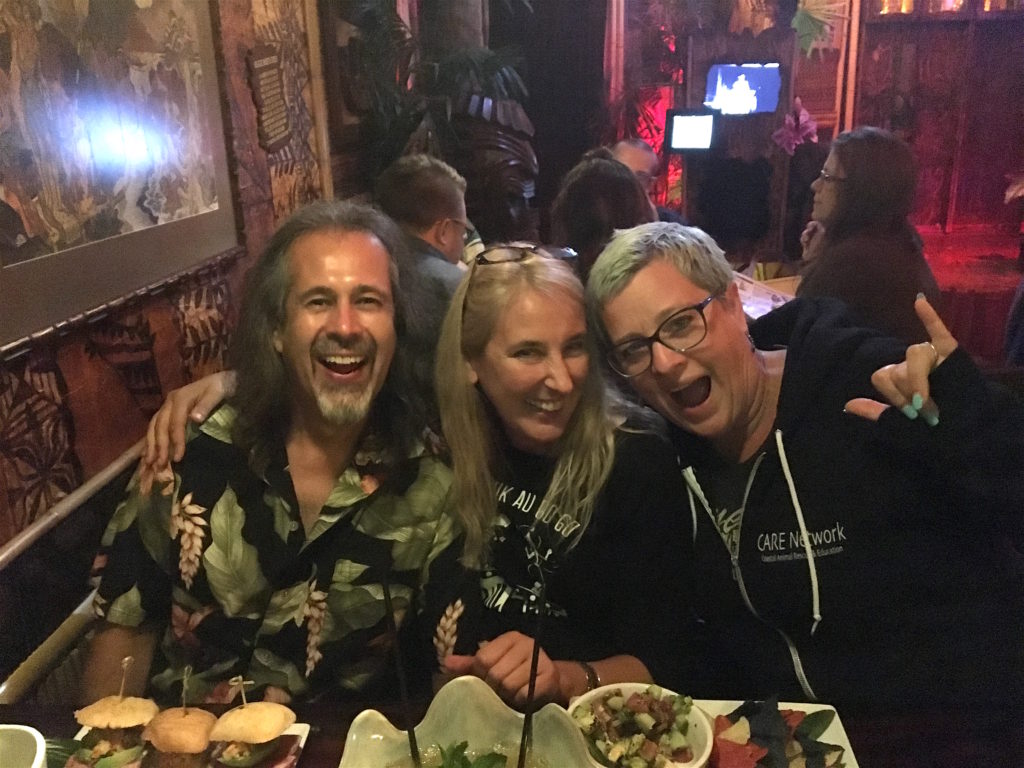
x=598, y=196
x=859, y=246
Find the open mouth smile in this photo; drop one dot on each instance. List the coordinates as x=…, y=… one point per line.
x=693, y=394
x=343, y=364
x=546, y=406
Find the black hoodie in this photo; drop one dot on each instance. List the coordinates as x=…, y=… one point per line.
x=911, y=596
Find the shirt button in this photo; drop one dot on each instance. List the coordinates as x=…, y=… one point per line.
x=293, y=526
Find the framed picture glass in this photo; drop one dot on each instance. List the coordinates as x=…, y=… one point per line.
x=113, y=170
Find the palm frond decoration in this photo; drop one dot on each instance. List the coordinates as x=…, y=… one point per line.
x=476, y=71
x=815, y=22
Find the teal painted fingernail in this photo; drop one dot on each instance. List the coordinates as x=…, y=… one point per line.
x=920, y=295
x=917, y=401
x=909, y=411
x=930, y=419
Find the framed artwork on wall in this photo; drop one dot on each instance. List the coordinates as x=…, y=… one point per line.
x=113, y=169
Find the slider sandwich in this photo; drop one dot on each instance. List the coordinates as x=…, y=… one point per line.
x=251, y=736
x=115, y=736
x=180, y=738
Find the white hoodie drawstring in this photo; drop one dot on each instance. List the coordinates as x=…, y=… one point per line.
x=812, y=570
x=696, y=493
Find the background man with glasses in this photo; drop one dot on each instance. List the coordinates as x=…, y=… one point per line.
x=426, y=196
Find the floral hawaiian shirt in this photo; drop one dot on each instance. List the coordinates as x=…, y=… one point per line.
x=220, y=552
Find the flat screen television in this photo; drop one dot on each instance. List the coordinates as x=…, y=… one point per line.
x=689, y=130
x=743, y=89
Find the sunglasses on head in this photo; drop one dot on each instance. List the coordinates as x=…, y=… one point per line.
x=513, y=252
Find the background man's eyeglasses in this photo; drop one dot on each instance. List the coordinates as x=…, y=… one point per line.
x=681, y=331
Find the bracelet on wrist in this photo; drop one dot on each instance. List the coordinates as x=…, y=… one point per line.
x=593, y=679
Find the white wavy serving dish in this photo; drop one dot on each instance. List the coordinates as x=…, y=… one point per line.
x=21, y=746
x=698, y=728
x=465, y=709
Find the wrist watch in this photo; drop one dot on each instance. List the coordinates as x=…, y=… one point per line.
x=593, y=679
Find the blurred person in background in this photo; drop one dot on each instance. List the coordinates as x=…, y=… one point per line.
x=426, y=197
x=859, y=246
x=643, y=161
x=597, y=196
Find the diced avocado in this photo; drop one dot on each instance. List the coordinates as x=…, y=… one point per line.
x=635, y=742
x=645, y=721
x=615, y=703
x=617, y=750
x=677, y=740
x=118, y=759
x=257, y=753
x=655, y=691
x=584, y=718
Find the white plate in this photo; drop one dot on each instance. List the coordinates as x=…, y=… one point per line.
x=834, y=734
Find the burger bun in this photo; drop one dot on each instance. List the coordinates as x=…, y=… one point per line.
x=117, y=712
x=182, y=731
x=254, y=723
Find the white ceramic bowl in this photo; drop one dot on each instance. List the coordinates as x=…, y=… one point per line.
x=21, y=747
x=465, y=709
x=699, y=730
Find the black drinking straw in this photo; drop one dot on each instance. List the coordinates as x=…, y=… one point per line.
x=403, y=689
x=526, y=739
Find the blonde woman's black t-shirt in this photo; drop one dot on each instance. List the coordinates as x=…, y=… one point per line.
x=620, y=589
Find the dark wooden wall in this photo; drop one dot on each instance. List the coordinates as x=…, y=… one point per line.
x=955, y=88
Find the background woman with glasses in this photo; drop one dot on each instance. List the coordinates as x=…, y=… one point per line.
x=859, y=246
x=845, y=551
x=573, y=516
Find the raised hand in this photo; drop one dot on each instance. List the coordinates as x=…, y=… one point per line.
x=811, y=240
x=504, y=664
x=165, y=436
x=905, y=384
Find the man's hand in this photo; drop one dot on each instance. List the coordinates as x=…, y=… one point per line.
x=905, y=385
x=165, y=436
x=504, y=664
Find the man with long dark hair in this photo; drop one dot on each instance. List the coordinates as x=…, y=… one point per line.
x=267, y=549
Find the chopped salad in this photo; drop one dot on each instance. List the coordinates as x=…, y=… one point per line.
x=642, y=730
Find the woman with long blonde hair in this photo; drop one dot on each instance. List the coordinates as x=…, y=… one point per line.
x=571, y=509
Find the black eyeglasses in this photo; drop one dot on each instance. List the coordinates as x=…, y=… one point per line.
x=467, y=228
x=681, y=331
x=826, y=176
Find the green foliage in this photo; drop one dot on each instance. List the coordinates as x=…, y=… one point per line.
x=455, y=757
x=232, y=563
x=814, y=21
x=634, y=115
x=479, y=70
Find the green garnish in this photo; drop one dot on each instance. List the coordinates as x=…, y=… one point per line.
x=455, y=757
